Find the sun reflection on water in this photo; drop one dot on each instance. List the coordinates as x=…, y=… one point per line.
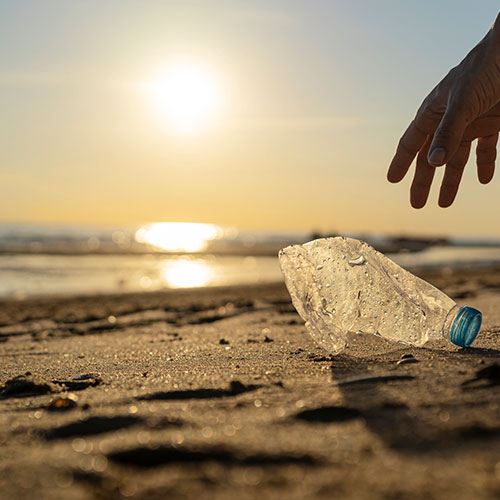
x=186, y=273
x=178, y=236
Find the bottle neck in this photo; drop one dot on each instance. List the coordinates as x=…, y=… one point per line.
x=450, y=319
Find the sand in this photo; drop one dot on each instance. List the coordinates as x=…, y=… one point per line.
x=221, y=393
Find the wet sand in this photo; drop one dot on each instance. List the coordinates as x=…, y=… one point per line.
x=221, y=393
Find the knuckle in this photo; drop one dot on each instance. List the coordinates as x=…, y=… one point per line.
x=419, y=186
x=449, y=187
x=486, y=156
x=455, y=168
x=404, y=148
x=431, y=111
x=449, y=131
x=463, y=104
x=445, y=134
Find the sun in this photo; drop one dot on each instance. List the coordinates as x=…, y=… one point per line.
x=187, y=96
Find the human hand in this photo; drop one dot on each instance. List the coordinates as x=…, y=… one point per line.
x=464, y=106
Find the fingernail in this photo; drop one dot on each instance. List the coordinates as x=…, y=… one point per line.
x=436, y=157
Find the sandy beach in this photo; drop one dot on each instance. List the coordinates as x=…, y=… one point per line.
x=160, y=159
x=221, y=393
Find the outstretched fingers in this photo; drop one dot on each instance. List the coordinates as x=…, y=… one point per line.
x=486, y=154
x=453, y=175
x=422, y=180
x=409, y=145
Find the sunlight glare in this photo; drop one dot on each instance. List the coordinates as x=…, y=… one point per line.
x=178, y=236
x=184, y=273
x=187, y=96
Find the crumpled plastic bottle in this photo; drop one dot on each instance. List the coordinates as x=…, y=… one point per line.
x=341, y=285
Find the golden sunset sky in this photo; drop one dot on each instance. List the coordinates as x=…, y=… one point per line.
x=263, y=114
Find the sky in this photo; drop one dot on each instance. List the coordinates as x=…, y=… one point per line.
x=304, y=103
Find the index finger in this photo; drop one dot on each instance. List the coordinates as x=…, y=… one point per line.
x=409, y=145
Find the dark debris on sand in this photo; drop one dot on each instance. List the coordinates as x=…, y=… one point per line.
x=159, y=419
x=235, y=388
x=28, y=385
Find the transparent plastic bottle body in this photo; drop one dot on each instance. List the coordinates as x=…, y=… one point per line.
x=340, y=285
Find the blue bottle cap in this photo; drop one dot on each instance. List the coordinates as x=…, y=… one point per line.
x=466, y=326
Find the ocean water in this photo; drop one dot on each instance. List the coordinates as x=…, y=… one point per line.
x=60, y=260
x=50, y=260
x=29, y=275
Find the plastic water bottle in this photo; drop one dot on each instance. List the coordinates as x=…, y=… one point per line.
x=341, y=285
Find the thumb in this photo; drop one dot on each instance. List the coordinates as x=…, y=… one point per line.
x=448, y=135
